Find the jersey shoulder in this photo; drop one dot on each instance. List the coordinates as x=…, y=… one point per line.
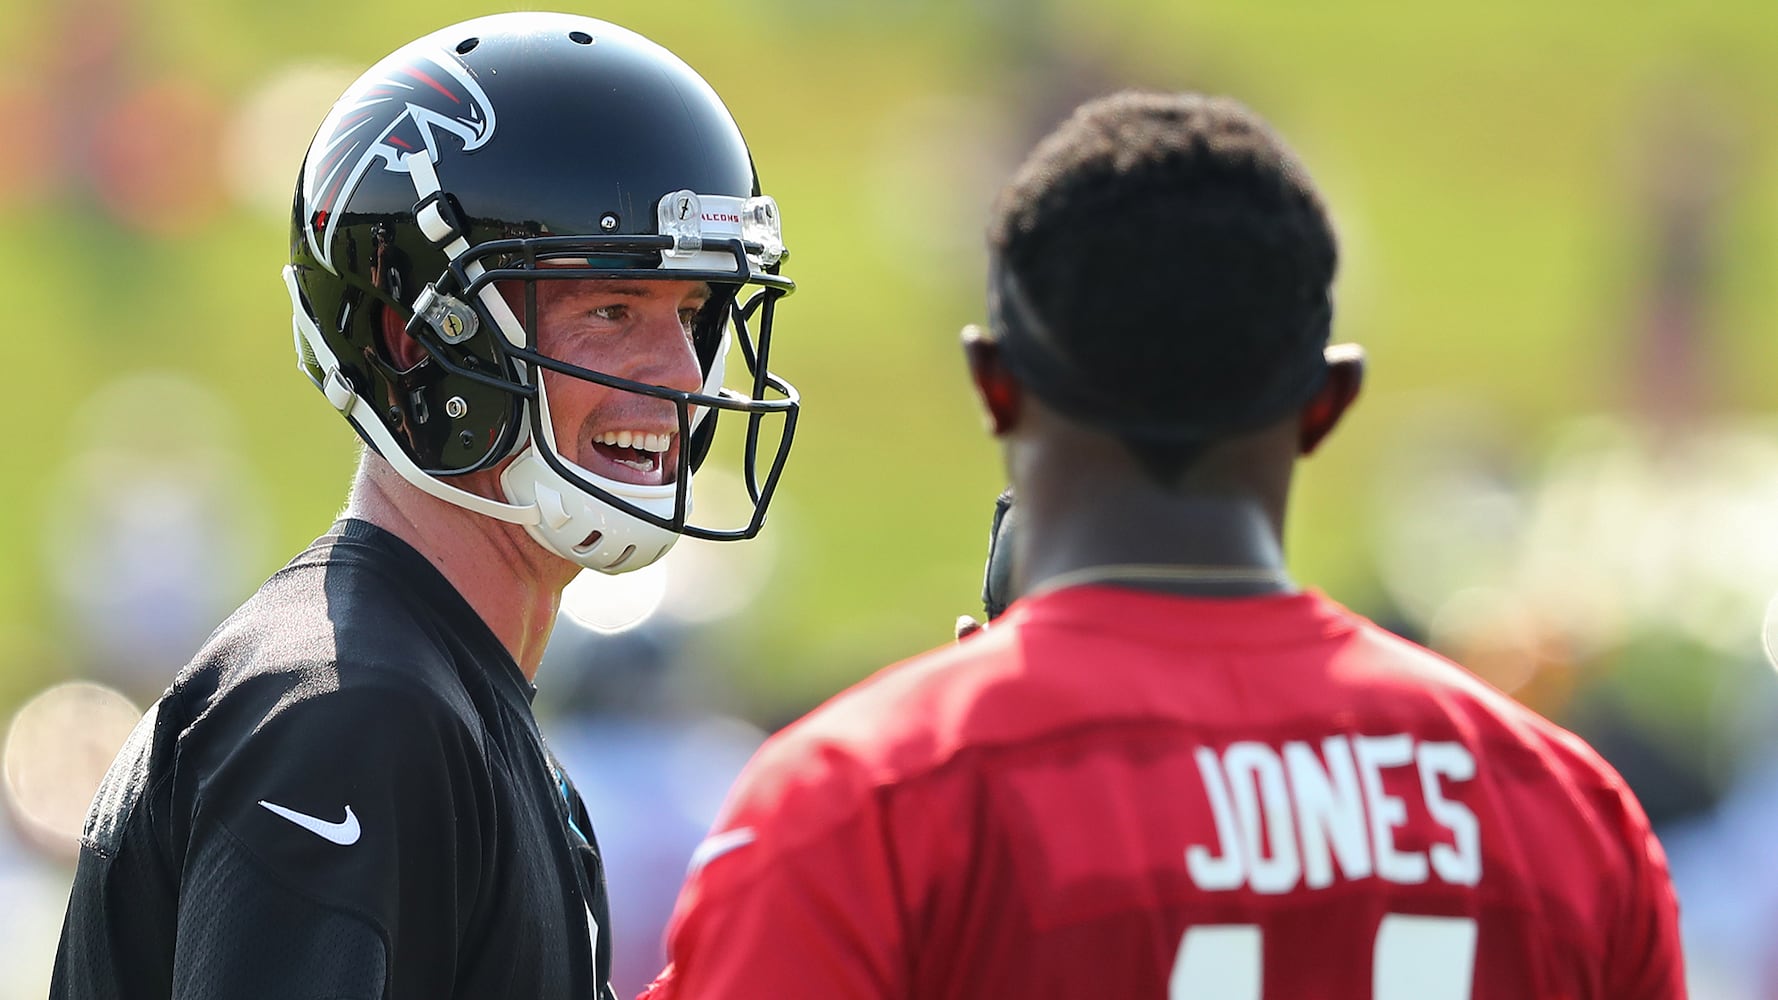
x=1553, y=779
x=338, y=623
x=1449, y=692
x=327, y=666
x=904, y=721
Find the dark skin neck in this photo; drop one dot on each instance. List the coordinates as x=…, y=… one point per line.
x=1085, y=500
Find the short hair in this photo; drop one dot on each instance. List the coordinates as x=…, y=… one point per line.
x=1162, y=268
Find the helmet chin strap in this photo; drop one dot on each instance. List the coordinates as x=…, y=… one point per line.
x=578, y=526
x=582, y=528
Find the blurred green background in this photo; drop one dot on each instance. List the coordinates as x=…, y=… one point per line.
x=1558, y=226
x=1483, y=163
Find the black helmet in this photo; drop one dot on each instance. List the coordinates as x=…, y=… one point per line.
x=481, y=153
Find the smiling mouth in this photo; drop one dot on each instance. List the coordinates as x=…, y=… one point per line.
x=636, y=456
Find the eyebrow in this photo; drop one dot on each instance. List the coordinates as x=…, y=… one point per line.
x=630, y=289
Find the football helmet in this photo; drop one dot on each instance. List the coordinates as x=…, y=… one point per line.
x=517, y=148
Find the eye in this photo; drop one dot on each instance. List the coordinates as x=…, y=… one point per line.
x=614, y=313
x=689, y=316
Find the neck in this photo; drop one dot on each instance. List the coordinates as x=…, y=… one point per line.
x=1085, y=501
x=513, y=585
x=1074, y=520
x=1200, y=544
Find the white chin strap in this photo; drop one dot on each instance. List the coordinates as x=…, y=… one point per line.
x=578, y=526
x=581, y=528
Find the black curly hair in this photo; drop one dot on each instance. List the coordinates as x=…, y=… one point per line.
x=1161, y=268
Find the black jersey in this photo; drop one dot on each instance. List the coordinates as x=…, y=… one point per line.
x=343, y=796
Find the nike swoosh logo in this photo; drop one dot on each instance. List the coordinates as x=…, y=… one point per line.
x=716, y=846
x=343, y=833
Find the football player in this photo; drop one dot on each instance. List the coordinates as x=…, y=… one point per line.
x=521, y=248
x=1167, y=770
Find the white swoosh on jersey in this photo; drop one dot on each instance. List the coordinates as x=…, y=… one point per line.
x=343, y=833
x=717, y=845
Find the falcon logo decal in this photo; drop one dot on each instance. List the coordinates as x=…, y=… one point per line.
x=398, y=110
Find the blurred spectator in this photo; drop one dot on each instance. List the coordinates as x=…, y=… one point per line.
x=103, y=127
x=34, y=892
x=53, y=752
x=1620, y=573
x=1727, y=879
x=154, y=531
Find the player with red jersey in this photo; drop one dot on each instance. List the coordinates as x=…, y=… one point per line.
x=1166, y=771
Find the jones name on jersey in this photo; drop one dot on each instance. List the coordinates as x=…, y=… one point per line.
x=1289, y=816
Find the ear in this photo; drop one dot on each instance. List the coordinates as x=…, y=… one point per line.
x=995, y=384
x=404, y=351
x=1345, y=376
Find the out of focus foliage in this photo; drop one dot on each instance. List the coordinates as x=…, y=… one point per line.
x=1489, y=167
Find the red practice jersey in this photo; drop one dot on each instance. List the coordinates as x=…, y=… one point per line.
x=1113, y=793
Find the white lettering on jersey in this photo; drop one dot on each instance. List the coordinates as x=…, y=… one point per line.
x=1228, y=871
x=1256, y=777
x=1287, y=816
x=1460, y=864
x=1375, y=754
x=1329, y=811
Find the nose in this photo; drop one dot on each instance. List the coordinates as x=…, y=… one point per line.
x=668, y=358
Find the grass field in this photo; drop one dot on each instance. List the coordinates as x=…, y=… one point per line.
x=1481, y=162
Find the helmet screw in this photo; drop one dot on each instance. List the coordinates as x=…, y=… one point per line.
x=468, y=439
x=455, y=407
x=608, y=222
x=394, y=416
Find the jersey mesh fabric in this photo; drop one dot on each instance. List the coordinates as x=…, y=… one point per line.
x=296, y=939
x=343, y=795
x=1019, y=814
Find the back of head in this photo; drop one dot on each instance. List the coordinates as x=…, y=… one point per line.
x=1161, y=270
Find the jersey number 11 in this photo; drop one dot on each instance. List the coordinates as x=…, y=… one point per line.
x=1417, y=958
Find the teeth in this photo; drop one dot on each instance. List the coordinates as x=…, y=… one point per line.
x=640, y=440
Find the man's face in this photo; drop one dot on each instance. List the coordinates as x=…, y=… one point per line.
x=639, y=330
